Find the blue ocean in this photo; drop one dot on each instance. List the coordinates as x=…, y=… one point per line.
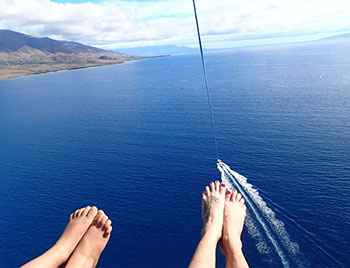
x=136, y=140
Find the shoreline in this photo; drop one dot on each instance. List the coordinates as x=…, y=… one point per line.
x=18, y=71
x=56, y=68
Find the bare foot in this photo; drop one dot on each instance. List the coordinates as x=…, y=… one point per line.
x=90, y=247
x=213, y=203
x=234, y=215
x=79, y=223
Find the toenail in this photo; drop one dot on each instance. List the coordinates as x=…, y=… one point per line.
x=223, y=185
x=228, y=192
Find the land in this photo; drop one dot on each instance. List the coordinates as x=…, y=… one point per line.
x=18, y=64
x=22, y=55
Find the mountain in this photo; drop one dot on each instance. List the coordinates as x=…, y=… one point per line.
x=158, y=50
x=22, y=54
x=11, y=41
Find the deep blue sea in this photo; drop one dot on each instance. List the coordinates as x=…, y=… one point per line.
x=135, y=139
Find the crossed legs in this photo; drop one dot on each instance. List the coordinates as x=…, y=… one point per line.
x=84, y=237
x=223, y=214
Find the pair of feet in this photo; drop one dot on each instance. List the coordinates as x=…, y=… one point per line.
x=223, y=214
x=82, y=242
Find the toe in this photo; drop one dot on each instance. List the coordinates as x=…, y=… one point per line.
x=241, y=202
x=76, y=213
x=92, y=212
x=212, y=186
x=101, y=213
x=207, y=190
x=106, y=225
x=227, y=195
x=103, y=221
x=99, y=217
x=85, y=211
x=217, y=186
x=108, y=231
x=238, y=197
x=204, y=196
x=80, y=212
x=222, y=188
x=234, y=194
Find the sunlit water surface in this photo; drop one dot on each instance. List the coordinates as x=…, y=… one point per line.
x=135, y=139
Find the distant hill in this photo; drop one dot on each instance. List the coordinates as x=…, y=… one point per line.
x=22, y=54
x=158, y=50
x=12, y=41
x=338, y=37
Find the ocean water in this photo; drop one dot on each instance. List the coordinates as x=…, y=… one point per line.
x=135, y=140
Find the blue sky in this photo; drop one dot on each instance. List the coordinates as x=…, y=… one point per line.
x=113, y=24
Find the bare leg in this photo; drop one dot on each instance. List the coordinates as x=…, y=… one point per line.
x=213, y=202
x=78, y=224
x=234, y=214
x=90, y=247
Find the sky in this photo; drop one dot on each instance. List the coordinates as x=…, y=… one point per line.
x=117, y=24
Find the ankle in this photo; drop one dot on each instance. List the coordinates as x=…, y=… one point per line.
x=211, y=234
x=233, y=254
x=61, y=253
x=85, y=256
x=232, y=244
x=79, y=259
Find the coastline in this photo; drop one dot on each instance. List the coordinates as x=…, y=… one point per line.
x=17, y=71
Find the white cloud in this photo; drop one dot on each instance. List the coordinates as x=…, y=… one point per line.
x=112, y=24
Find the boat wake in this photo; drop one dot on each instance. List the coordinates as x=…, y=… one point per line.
x=261, y=222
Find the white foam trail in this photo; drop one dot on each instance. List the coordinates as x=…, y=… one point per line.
x=277, y=225
x=259, y=209
x=256, y=234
